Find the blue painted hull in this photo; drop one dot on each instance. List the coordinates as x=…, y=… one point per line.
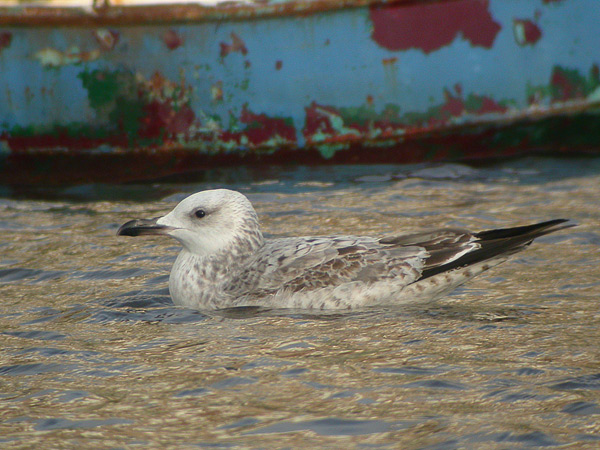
x=293, y=81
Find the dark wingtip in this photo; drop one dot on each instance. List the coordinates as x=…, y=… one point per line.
x=538, y=229
x=501, y=241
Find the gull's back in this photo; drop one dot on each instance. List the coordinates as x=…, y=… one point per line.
x=350, y=272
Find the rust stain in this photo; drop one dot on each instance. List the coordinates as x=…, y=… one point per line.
x=526, y=32
x=172, y=39
x=5, y=40
x=401, y=27
x=389, y=61
x=167, y=108
x=237, y=45
x=42, y=160
x=106, y=38
x=278, y=65
x=119, y=15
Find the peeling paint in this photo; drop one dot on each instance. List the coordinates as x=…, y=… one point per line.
x=172, y=39
x=569, y=84
x=157, y=110
x=526, y=32
x=237, y=45
x=114, y=97
x=331, y=125
x=52, y=58
x=216, y=92
x=168, y=114
x=106, y=38
x=566, y=85
x=374, y=81
x=262, y=130
x=324, y=123
x=431, y=26
x=258, y=131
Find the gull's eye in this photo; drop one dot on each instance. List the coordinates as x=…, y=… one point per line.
x=200, y=213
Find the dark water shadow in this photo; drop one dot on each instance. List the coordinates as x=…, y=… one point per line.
x=155, y=305
x=299, y=179
x=147, y=306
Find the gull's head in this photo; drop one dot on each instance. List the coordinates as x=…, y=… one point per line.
x=205, y=222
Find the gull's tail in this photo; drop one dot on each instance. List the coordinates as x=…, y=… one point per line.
x=500, y=242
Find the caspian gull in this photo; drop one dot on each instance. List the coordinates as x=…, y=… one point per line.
x=226, y=262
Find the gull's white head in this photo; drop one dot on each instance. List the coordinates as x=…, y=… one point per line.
x=205, y=223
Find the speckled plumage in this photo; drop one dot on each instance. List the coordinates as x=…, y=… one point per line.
x=226, y=262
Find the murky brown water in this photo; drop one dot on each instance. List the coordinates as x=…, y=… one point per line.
x=94, y=355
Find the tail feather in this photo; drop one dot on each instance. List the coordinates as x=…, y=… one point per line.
x=539, y=229
x=499, y=242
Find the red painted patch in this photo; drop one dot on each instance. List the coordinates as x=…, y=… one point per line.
x=161, y=120
x=317, y=120
x=278, y=65
x=172, y=39
x=430, y=26
x=564, y=88
x=167, y=113
x=453, y=106
x=5, y=40
x=60, y=140
x=260, y=128
x=489, y=105
x=526, y=32
x=237, y=45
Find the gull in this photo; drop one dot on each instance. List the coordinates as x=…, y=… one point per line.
x=227, y=262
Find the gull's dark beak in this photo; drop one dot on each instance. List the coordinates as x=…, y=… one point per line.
x=139, y=227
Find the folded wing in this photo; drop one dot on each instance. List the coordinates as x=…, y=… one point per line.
x=310, y=263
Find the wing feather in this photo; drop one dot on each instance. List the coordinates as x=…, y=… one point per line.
x=312, y=263
x=309, y=263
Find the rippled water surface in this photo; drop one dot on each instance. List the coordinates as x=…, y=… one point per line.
x=94, y=355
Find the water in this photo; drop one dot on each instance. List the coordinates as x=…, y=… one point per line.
x=94, y=355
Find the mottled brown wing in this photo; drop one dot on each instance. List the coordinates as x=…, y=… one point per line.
x=311, y=263
x=315, y=262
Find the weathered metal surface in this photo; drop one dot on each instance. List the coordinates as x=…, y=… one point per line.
x=128, y=93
